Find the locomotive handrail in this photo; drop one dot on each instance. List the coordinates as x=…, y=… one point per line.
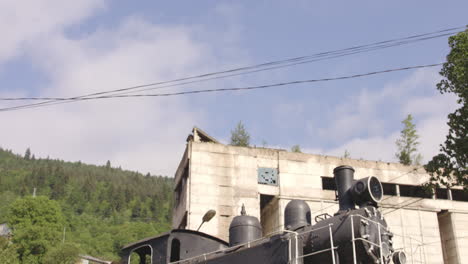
x=367, y=241
x=294, y=235
x=233, y=247
x=353, y=241
x=317, y=252
x=353, y=237
x=332, y=247
x=368, y=219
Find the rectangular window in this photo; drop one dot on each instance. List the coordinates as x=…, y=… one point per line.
x=389, y=188
x=441, y=193
x=459, y=195
x=328, y=183
x=414, y=191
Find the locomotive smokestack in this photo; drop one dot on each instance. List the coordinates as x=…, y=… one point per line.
x=344, y=176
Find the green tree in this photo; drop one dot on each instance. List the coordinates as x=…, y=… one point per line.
x=108, y=164
x=8, y=254
x=96, y=205
x=296, y=148
x=66, y=253
x=346, y=154
x=407, y=143
x=239, y=136
x=6, y=198
x=450, y=166
x=36, y=224
x=27, y=154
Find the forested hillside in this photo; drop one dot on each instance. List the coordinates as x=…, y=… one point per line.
x=102, y=207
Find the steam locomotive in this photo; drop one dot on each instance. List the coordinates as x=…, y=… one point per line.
x=352, y=235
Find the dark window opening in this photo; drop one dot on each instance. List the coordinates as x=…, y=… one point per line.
x=175, y=250
x=389, y=189
x=459, y=195
x=441, y=193
x=269, y=211
x=141, y=255
x=265, y=200
x=178, y=193
x=328, y=183
x=414, y=191
x=180, y=188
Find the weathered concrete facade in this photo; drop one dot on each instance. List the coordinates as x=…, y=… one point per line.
x=220, y=177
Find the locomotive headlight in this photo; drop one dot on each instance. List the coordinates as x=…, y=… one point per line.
x=375, y=189
x=399, y=257
x=367, y=191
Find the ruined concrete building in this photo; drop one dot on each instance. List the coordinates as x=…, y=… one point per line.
x=432, y=228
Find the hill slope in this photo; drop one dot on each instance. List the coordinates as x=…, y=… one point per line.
x=104, y=207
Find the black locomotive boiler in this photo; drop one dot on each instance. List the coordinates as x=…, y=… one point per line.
x=352, y=235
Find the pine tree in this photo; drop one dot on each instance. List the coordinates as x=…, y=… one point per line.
x=27, y=154
x=407, y=144
x=239, y=136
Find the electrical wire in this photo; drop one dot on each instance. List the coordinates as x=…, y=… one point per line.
x=225, y=89
x=289, y=62
x=125, y=90
x=285, y=60
x=399, y=206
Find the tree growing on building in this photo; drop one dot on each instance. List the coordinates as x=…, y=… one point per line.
x=407, y=143
x=450, y=166
x=239, y=136
x=296, y=148
x=346, y=154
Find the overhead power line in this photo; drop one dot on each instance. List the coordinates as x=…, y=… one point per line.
x=139, y=88
x=261, y=67
x=321, y=57
x=65, y=99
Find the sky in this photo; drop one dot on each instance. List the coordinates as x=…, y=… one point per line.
x=69, y=48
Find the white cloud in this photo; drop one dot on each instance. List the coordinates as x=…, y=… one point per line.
x=433, y=105
x=361, y=114
x=141, y=134
x=21, y=21
x=432, y=132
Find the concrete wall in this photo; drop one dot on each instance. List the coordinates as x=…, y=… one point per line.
x=447, y=235
x=460, y=222
x=225, y=177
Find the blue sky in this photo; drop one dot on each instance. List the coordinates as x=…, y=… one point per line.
x=53, y=48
